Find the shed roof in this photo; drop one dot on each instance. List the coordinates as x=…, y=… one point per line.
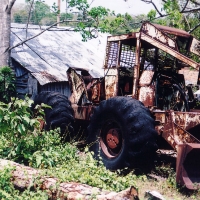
x=49, y=55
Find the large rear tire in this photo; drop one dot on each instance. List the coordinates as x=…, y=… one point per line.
x=122, y=133
x=61, y=113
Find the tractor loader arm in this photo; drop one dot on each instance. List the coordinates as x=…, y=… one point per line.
x=157, y=35
x=176, y=128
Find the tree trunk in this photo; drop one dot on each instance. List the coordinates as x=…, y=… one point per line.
x=23, y=177
x=5, y=17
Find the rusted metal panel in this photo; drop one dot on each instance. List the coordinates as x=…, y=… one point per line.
x=188, y=165
x=83, y=112
x=186, y=120
x=77, y=86
x=96, y=88
x=159, y=120
x=146, y=77
x=136, y=69
x=158, y=35
x=123, y=37
x=147, y=95
x=174, y=31
x=195, y=47
x=111, y=82
x=176, y=123
x=171, y=51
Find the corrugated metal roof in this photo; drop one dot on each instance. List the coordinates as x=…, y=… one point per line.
x=49, y=55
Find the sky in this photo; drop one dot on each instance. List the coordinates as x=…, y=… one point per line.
x=133, y=7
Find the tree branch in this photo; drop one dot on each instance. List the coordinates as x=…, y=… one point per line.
x=191, y=10
x=165, y=15
x=198, y=25
x=10, y=5
x=184, y=16
x=91, y=2
x=195, y=2
x=151, y=2
x=185, y=6
x=29, y=15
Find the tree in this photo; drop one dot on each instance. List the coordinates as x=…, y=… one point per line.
x=5, y=16
x=40, y=10
x=38, y=13
x=19, y=14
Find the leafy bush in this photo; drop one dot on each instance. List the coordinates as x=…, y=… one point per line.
x=7, y=87
x=17, y=127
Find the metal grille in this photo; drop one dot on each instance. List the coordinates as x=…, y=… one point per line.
x=111, y=54
x=127, y=57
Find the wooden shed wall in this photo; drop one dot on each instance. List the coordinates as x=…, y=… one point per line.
x=26, y=84
x=61, y=87
x=21, y=79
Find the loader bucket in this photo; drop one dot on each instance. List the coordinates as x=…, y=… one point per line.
x=188, y=165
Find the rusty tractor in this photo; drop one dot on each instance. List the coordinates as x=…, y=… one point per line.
x=141, y=96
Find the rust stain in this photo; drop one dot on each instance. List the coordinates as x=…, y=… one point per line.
x=147, y=95
x=174, y=31
x=146, y=77
x=111, y=83
x=156, y=34
x=83, y=112
x=96, y=92
x=175, y=128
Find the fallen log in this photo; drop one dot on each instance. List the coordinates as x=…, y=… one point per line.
x=24, y=177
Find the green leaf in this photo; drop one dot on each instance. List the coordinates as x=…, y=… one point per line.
x=39, y=160
x=20, y=128
x=26, y=119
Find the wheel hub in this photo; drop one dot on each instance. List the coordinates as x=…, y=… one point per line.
x=112, y=138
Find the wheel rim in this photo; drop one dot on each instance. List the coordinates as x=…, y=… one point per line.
x=111, y=140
